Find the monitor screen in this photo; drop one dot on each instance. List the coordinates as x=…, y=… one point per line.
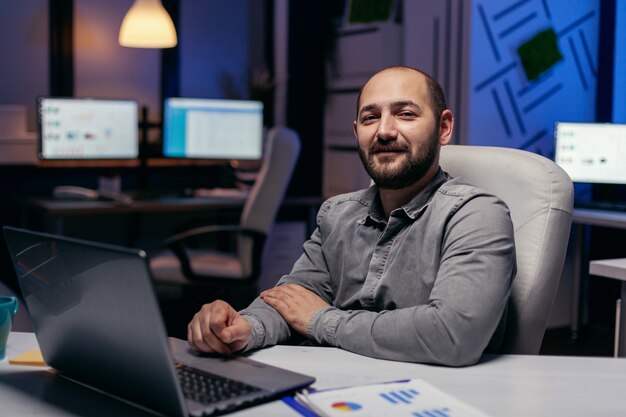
x=212, y=129
x=86, y=128
x=592, y=152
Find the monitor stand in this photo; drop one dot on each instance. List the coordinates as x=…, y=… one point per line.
x=110, y=183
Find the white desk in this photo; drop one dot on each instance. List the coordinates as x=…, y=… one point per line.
x=508, y=385
x=581, y=219
x=616, y=269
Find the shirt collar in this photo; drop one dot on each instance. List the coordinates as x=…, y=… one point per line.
x=411, y=209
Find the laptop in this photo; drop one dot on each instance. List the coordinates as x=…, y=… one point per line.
x=95, y=313
x=594, y=153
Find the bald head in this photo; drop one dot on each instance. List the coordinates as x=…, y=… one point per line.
x=436, y=96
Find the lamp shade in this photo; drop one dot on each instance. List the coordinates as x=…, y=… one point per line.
x=147, y=25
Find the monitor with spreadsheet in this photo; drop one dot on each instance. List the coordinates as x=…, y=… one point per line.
x=87, y=128
x=212, y=129
x=592, y=152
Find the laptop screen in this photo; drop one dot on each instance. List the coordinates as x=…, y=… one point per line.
x=213, y=129
x=592, y=152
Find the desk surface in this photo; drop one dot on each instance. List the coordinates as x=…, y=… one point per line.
x=610, y=268
x=164, y=204
x=506, y=385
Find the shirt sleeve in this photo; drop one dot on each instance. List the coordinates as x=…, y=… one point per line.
x=466, y=303
x=309, y=271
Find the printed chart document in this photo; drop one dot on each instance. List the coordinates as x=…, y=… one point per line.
x=413, y=398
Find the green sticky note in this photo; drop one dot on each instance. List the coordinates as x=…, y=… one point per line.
x=539, y=53
x=369, y=11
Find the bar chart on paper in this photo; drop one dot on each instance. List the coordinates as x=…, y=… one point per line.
x=413, y=398
x=400, y=396
x=434, y=412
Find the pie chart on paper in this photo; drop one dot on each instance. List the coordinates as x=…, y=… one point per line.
x=346, y=406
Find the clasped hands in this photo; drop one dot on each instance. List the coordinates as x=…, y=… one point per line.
x=217, y=327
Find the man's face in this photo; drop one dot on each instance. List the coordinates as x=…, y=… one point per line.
x=396, y=129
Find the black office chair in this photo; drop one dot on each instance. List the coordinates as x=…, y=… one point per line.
x=204, y=274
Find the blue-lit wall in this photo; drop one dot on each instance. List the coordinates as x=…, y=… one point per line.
x=619, y=73
x=24, y=54
x=214, y=48
x=505, y=108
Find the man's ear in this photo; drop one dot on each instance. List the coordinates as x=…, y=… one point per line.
x=354, y=129
x=446, y=126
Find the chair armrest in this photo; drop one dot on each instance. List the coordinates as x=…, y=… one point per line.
x=206, y=230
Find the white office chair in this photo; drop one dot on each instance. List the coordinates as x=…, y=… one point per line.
x=540, y=197
x=233, y=274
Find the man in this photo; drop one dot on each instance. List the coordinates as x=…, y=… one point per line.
x=416, y=268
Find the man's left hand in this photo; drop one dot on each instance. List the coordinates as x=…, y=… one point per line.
x=295, y=304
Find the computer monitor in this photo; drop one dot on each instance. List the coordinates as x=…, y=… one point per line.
x=87, y=128
x=592, y=152
x=212, y=129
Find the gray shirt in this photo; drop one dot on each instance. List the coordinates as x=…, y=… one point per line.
x=429, y=284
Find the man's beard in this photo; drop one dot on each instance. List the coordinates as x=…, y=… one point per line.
x=409, y=171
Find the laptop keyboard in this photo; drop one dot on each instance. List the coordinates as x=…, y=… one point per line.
x=206, y=388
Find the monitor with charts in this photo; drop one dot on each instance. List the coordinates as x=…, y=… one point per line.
x=592, y=152
x=87, y=128
x=212, y=129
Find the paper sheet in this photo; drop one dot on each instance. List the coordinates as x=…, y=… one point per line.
x=414, y=398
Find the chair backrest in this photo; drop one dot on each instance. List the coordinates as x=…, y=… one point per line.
x=540, y=197
x=267, y=193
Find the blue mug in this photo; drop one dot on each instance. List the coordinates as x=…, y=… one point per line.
x=8, y=308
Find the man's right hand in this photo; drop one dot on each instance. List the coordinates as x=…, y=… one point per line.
x=218, y=328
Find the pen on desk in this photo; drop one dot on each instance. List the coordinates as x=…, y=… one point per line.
x=301, y=396
x=299, y=403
